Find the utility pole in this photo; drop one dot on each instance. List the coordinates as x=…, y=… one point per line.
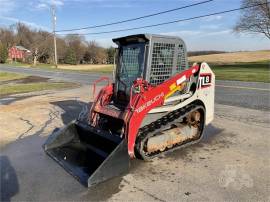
x=54, y=35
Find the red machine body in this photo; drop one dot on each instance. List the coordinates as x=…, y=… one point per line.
x=145, y=98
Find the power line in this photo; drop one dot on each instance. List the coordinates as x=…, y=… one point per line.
x=134, y=19
x=170, y=22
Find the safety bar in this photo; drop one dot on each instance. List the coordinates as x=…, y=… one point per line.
x=104, y=78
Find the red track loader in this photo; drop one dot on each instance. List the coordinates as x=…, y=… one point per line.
x=155, y=105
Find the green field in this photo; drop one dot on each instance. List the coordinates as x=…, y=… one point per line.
x=9, y=84
x=6, y=76
x=31, y=87
x=256, y=71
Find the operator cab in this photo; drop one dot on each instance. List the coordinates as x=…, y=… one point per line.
x=155, y=58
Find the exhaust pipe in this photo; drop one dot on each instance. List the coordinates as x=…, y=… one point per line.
x=90, y=155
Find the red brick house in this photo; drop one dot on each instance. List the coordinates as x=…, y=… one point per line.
x=18, y=53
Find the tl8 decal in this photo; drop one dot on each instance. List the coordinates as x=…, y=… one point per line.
x=205, y=80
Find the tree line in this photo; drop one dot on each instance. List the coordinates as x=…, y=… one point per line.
x=71, y=49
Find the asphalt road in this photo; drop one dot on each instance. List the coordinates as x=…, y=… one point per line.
x=235, y=93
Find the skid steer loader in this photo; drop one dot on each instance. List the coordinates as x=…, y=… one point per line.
x=155, y=105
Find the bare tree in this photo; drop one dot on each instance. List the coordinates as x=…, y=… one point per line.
x=7, y=37
x=255, y=19
x=95, y=54
x=41, y=47
x=24, y=36
x=38, y=41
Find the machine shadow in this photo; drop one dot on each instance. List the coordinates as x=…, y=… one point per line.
x=210, y=132
x=9, y=181
x=73, y=109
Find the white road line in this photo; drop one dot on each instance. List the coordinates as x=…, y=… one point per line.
x=243, y=87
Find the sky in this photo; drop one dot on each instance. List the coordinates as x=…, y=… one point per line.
x=210, y=33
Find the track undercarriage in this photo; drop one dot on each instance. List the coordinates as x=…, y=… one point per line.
x=177, y=129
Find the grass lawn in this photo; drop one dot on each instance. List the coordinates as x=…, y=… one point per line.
x=31, y=87
x=256, y=71
x=12, y=87
x=101, y=69
x=87, y=67
x=6, y=76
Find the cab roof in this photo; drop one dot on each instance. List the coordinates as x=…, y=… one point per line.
x=142, y=38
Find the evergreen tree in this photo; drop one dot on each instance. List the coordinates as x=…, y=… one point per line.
x=110, y=55
x=70, y=57
x=3, y=53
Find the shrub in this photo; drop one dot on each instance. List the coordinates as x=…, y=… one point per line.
x=3, y=53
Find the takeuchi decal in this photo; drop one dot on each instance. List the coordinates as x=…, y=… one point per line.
x=149, y=103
